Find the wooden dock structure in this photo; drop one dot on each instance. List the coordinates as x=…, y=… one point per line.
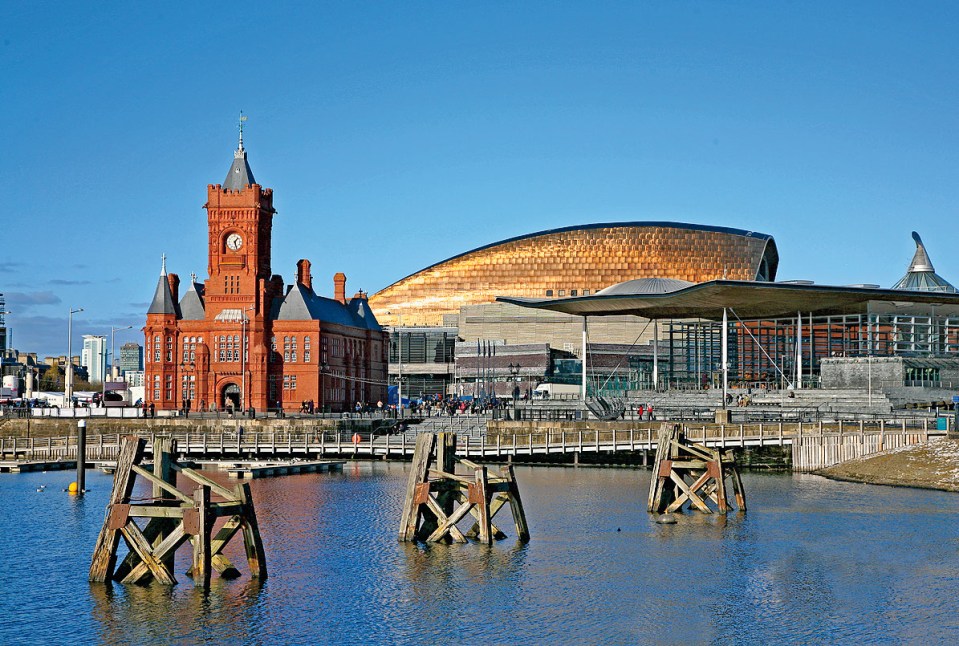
x=173, y=518
x=272, y=469
x=687, y=472
x=437, y=498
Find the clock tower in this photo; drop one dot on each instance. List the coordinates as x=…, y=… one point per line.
x=240, y=222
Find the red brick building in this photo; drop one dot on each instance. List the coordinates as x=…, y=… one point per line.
x=242, y=338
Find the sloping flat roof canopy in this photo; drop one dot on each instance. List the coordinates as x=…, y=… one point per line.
x=749, y=299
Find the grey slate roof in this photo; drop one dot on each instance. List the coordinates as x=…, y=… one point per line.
x=191, y=305
x=162, y=298
x=240, y=174
x=302, y=304
x=361, y=310
x=921, y=275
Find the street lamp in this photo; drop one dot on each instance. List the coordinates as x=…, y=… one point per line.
x=399, y=365
x=113, y=346
x=324, y=370
x=243, y=358
x=68, y=376
x=514, y=371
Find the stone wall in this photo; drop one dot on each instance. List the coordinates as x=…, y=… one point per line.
x=857, y=373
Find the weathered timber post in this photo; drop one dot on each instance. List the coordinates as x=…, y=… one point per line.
x=81, y=456
x=201, y=537
x=438, y=498
x=105, y=550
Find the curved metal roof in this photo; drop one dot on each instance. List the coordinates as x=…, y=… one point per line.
x=646, y=286
x=598, y=225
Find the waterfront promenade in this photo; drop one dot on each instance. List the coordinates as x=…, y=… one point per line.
x=812, y=446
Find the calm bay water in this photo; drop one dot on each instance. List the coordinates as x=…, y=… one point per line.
x=812, y=561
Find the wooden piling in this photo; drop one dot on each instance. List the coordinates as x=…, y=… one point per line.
x=438, y=498
x=173, y=518
x=687, y=472
x=81, y=456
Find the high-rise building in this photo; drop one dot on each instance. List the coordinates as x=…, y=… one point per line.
x=3, y=325
x=93, y=357
x=131, y=357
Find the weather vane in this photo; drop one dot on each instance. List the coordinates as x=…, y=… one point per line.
x=242, y=119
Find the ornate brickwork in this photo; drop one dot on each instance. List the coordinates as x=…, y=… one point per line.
x=240, y=339
x=574, y=261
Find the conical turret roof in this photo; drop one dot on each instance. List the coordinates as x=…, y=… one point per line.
x=162, y=298
x=240, y=175
x=922, y=276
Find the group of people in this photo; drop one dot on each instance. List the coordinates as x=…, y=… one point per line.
x=645, y=411
x=742, y=399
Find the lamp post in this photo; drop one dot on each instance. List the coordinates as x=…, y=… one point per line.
x=68, y=375
x=514, y=371
x=399, y=365
x=113, y=346
x=243, y=321
x=324, y=370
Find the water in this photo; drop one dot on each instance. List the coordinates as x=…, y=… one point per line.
x=812, y=561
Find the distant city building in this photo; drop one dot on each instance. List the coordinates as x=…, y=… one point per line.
x=3, y=324
x=134, y=378
x=131, y=357
x=93, y=357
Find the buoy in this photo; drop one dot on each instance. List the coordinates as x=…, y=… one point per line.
x=72, y=488
x=666, y=519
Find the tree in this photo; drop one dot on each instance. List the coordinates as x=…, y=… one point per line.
x=52, y=379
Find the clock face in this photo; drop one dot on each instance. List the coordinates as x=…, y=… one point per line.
x=234, y=241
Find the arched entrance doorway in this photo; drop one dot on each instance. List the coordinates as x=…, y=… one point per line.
x=231, y=397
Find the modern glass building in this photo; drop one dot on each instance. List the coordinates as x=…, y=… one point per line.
x=93, y=357
x=131, y=357
x=781, y=334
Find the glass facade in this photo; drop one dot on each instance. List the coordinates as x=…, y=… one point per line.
x=768, y=351
x=427, y=359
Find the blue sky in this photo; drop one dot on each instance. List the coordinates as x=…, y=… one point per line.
x=396, y=135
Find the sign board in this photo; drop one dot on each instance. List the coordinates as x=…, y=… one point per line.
x=955, y=399
x=7, y=392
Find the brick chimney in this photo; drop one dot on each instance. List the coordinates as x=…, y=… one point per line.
x=339, y=287
x=303, y=276
x=174, y=282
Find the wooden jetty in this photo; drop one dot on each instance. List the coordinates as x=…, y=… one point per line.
x=685, y=471
x=25, y=466
x=272, y=469
x=437, y=498
x=172, y=518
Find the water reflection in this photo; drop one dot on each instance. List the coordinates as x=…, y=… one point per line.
x=812, y=560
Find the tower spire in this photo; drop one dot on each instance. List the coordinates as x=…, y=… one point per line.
x=240, y=176
x=239, y=150
x=163, y=264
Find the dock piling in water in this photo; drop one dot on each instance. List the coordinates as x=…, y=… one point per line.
x=173, y=518
x=684, y=471
x=437, y=498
